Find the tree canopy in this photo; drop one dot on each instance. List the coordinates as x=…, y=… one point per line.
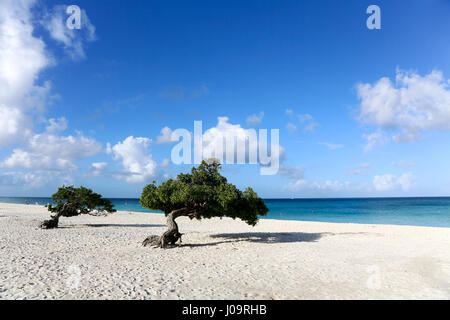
x=70, y=201
x=204, y=193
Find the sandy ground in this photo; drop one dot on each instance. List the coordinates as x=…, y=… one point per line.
x=102, y=258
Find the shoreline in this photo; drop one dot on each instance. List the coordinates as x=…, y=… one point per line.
x=268, y=219
x=102, y=258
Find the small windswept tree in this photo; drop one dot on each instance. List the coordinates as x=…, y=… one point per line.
x=70, y=201
x=204, y=193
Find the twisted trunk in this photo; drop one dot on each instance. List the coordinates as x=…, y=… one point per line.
x=51, y=223
x=54, y=220
x=172, y=235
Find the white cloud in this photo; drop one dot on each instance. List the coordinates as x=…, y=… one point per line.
x=299, y=185
x=165, y=136
x=29, y=180
x=410, y=106
x=24, y=97
x=97, y=168
x=294, y=173
x=72, y=39
x=66, y=147
x=245, y=140
x=374, y=139
x=254, y=120
x=330, y=188
x=331, y=146
x=335, y=185
x=213, y=138
x=407, y=136
x=56, y=125
x=22, y=58
x=136, y=159
x=384, y=182
x=306, y=120
x=406, y=181
x=51, y=152
x=388, y=182
x=317, y=187
x=14, y=125
x=165, y=163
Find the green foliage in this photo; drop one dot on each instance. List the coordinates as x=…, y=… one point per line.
x=70, y=201
x=204, y=193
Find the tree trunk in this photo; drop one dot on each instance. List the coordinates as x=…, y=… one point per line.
x=52, y=223
x=171, y=236
x=54, y=220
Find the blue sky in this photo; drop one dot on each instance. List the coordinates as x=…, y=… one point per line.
x=86, y=107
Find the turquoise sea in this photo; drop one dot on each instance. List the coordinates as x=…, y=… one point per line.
x=433, y=212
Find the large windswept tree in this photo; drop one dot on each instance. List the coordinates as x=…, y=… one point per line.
x=204, y=193
x=70, y=201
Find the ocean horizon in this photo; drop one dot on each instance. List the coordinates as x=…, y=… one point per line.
x=412, y=211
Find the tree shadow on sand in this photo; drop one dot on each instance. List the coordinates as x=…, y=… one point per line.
x=267, y=237
x=270, y=237
x=112, y=225
x=260, y=237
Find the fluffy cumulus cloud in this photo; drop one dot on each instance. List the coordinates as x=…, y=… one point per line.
x=389, y=182
x=14, y=125
x=384, y=182
x=136, y=159
x=51, y=152
x=73, y=40
x=46, y=156
x=408, y=106
x=406, y=181
x=97, y=168
x=227, y=137
x=165, y=136
x=22, y=58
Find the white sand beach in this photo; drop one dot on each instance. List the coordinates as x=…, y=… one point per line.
x=102, y=258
